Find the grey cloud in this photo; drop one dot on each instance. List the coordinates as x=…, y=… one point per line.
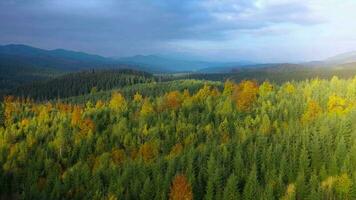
x=117, y=27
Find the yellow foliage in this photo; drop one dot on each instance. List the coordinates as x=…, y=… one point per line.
x=265, y=88
x=10, y=108
x=25, y=122
x=343, y=184
x=118, y=102
x=214, y=92
x=289, y=88
x=99, y=104
x=186, y=94
x=313, y=110
x=245, y=94
x=76, y=116
x=137, y=97
x=87, y=126
x=328, y=183
x=203, y=93
x=146, y=109
x=180, y=189
x=176, y=150
x=336, y=104
x=63, y=108
x=118, y=156
x=173, y=100
x=44, y=112
x=228, y=88
x=148, y=151
x=290, y=192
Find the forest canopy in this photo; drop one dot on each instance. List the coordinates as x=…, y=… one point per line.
x=244, y=140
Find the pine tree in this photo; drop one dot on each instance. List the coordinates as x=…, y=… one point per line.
x=147, y=190
x=231, y=191
x=250, y=191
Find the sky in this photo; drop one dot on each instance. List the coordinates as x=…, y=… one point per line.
x=230, y=30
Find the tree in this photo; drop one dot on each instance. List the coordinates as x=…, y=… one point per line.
x=118, y=102
x=228, y=88
x=76, y=116
x=251, y=188
x=2, y=116
x=245, y=94
x=180, y=189
x=118, y=156
x=343, y=186
x=231, y=191
x=148, y=151
x=265, y=88
x=173, y=100
x=336, y=104
x=289, y=88
x=137, y=97
x=146, y=109
x=290, y=193
x=312, y=112
x=147, y=190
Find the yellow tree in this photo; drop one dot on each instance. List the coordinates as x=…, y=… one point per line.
x=289, y=88
x=290, y=192
x=118, y=102
x=245, y=94
x=118, y=156
x=148, y=151
x=10, y=105
x=137, y=97
x=313, y=110
x=265, y=88
x=146, y=109
x=336, y=104
x=228, y=88
x=180, y=189
x=76, y=116
x=173, y=100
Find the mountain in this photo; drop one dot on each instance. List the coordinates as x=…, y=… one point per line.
x=22, y=64
x=56, y=59
x=171, y=64
x=348, y=57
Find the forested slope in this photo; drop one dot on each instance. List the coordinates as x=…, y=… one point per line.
x=278, y=73
x=80, y=83
x=152, y=89
x=247, y=141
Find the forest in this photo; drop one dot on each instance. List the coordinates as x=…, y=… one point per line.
x=187, y=139
x=80, y=83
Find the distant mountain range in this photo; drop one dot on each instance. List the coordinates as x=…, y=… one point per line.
x=26, y=58
x=66, y=60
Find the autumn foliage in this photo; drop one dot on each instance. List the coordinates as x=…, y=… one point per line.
x=173, y=100
x=118, y=102
x=287, y=141
x=180, y=189
x=245, y=94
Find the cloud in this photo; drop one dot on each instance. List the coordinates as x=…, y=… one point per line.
x=124, y=27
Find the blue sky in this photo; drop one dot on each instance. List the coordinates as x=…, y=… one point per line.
x=255, y=30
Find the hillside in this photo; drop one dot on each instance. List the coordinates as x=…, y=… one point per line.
x=244, y=140
x=168, y=64
x=349, y=57
x=277, y=73
x=153, y=89
x=81, y=83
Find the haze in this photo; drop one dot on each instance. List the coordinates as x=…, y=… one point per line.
x=259, y=30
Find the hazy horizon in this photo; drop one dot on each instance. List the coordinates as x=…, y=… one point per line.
x=259, y=30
